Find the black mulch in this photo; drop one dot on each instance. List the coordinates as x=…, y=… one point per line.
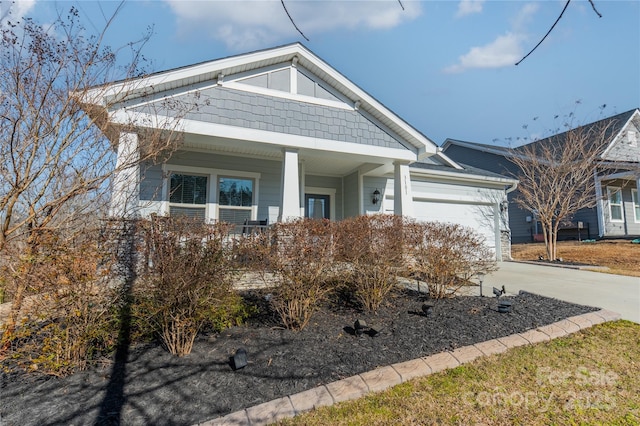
x=165, y=390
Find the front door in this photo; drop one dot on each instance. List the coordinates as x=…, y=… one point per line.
x=316, y=206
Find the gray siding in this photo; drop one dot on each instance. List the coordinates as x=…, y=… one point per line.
x=256, y=111
x=370, y=184
x=151, y=183
x=629, y=227
x=627, y=146
x=350, y=201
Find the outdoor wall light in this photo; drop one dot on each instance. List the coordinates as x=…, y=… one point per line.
x=376, y=197
x=504, y=206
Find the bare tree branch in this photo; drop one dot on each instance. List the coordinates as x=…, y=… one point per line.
x=557, y=176
x=593, y=6
x=546, y=35
x=291, y=19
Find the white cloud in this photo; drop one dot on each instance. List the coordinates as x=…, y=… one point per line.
x=469, y=7
x=14, y=11
x=247, y=24
x=505, y=50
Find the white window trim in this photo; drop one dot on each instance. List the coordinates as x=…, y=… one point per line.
x=610, y=191
x=286, y=95
x=235, y=82
x=636, y=203
x=211, y=209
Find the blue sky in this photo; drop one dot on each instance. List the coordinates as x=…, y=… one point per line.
x=446, y=67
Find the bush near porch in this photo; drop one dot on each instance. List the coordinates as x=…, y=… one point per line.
x=185, y=282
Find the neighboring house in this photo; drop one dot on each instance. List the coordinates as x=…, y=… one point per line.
x=617, y=206
x=279, y=134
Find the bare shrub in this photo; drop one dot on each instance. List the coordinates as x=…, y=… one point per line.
x=69, y=319
x=251, y=251
x=301, y=258
x=189, y=283
x=372, y=248
x=446, y=255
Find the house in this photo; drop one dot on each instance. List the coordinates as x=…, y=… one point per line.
x=617, y=206
x=279, y=134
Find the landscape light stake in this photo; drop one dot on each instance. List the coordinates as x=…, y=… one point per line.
x=239, y=360
x=427, y=309
x=480, y=280
x=360, y=326
x=504, y=306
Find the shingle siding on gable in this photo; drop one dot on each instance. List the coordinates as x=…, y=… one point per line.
x=231, y=107
x=625, y=149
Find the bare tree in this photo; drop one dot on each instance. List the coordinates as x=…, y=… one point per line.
x=58, y=156
x=557, y=176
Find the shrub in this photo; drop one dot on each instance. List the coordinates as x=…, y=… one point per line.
x=189, y=283
x=68, y=319
x=372, y=248
x=301, y=258
x=446, y=255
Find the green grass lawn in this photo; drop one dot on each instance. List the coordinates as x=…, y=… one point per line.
x=589, y=378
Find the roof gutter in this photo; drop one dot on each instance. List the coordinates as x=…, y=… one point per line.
x=467, y=178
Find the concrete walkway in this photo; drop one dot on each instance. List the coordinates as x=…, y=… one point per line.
x=385, y=377
x=612, y=292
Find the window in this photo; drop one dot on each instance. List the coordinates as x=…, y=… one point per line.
x=276, y=80
x=317, y=206
x=235, y=199
x=636, y=205
x=614, y=194
x=308, y=87
x=188, y=195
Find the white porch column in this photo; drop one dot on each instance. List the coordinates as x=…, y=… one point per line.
x=125, y=188
x=402, y=194
x=290, y=187
x=303, y=184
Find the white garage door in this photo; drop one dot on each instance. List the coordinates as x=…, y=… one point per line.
x=479, y=217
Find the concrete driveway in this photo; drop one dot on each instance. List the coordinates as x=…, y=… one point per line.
x=613, y=292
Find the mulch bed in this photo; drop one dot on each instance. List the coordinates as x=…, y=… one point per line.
x=157, y=388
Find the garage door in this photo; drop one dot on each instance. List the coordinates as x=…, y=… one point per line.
x=479, y=217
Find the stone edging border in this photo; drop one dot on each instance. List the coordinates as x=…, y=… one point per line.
x=564, y=266
x=385, y=377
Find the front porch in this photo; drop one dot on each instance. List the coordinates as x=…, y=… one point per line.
x=236, y=182
x=618, y=205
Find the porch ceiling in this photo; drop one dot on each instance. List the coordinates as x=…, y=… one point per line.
x=317, y=162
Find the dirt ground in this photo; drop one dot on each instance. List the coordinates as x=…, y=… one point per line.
x=620, y=256
x=153, y=387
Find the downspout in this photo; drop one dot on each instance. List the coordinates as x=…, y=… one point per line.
x=510, y=189
x=599, y=205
